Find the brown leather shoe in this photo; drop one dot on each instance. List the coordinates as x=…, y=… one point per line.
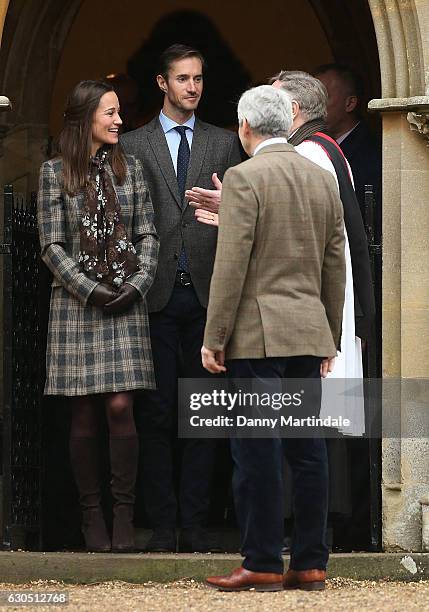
x=306, y=580
x=242, y=579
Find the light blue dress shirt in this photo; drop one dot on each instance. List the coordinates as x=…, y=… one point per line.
x=173, y=137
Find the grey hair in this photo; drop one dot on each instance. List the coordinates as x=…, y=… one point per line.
x=267, y=110
x=309, y=92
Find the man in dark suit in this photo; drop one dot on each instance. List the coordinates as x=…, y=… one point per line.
x=178, y=151
x=346, y=126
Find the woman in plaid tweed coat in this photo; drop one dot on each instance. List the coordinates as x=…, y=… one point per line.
x=98, y=239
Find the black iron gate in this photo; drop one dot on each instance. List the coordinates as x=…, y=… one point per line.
x=22, y=376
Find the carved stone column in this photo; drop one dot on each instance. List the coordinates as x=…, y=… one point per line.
x=405, y=469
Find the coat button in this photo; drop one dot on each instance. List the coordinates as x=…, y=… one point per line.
x=176, y=256
x=185, y=224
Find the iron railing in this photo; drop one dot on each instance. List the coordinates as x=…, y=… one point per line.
x=372, y=220
x=22, y=375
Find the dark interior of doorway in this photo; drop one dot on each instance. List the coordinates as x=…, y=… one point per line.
x=349, y=526
x=354, y=519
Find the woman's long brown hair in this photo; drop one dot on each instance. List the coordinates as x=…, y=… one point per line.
x=75, y=139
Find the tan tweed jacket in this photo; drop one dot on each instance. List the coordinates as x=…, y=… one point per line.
x=278, y=283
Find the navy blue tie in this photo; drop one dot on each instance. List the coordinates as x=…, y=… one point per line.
x=183, y=156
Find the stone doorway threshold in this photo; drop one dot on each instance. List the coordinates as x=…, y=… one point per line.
x=21, y=567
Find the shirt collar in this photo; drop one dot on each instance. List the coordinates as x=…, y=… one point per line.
x=270, y=141
x=168, y=124
x=344, y=136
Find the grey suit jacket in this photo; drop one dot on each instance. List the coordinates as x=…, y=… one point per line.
x=213, y=150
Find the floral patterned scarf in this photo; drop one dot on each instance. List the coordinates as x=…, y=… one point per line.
x=106, y=254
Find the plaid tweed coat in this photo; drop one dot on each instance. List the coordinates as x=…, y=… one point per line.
x=87, y=350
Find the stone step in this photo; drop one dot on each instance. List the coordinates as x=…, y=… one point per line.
x=21, y=567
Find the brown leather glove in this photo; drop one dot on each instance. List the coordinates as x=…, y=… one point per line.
x=101, y=294
x=125, y=297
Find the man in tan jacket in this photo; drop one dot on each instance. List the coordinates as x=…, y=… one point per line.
x=275, y=311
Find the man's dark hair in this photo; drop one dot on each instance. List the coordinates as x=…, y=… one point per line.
x=222, y=87
x=175, y=53
x=352, y=80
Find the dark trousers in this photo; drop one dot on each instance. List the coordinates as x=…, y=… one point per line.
x=258, y=481
x=176, y=330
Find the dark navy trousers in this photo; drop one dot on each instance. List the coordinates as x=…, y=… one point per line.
x=177, y=336
x=258, y=481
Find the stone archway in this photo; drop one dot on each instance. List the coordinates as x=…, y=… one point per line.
x=32, y=39
x=33, y=36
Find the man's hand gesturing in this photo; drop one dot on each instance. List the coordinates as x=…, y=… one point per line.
x=207, y=199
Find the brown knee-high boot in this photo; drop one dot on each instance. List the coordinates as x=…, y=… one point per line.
x=123, y=465
x=85, y=461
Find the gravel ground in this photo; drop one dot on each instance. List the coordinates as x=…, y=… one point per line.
x=341, y=594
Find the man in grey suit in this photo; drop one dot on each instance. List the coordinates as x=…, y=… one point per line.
x=178, y=151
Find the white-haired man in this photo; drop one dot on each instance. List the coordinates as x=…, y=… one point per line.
x=275, y=311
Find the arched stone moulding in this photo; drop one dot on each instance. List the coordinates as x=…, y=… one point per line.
x=402, y=31
x=401, y=27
